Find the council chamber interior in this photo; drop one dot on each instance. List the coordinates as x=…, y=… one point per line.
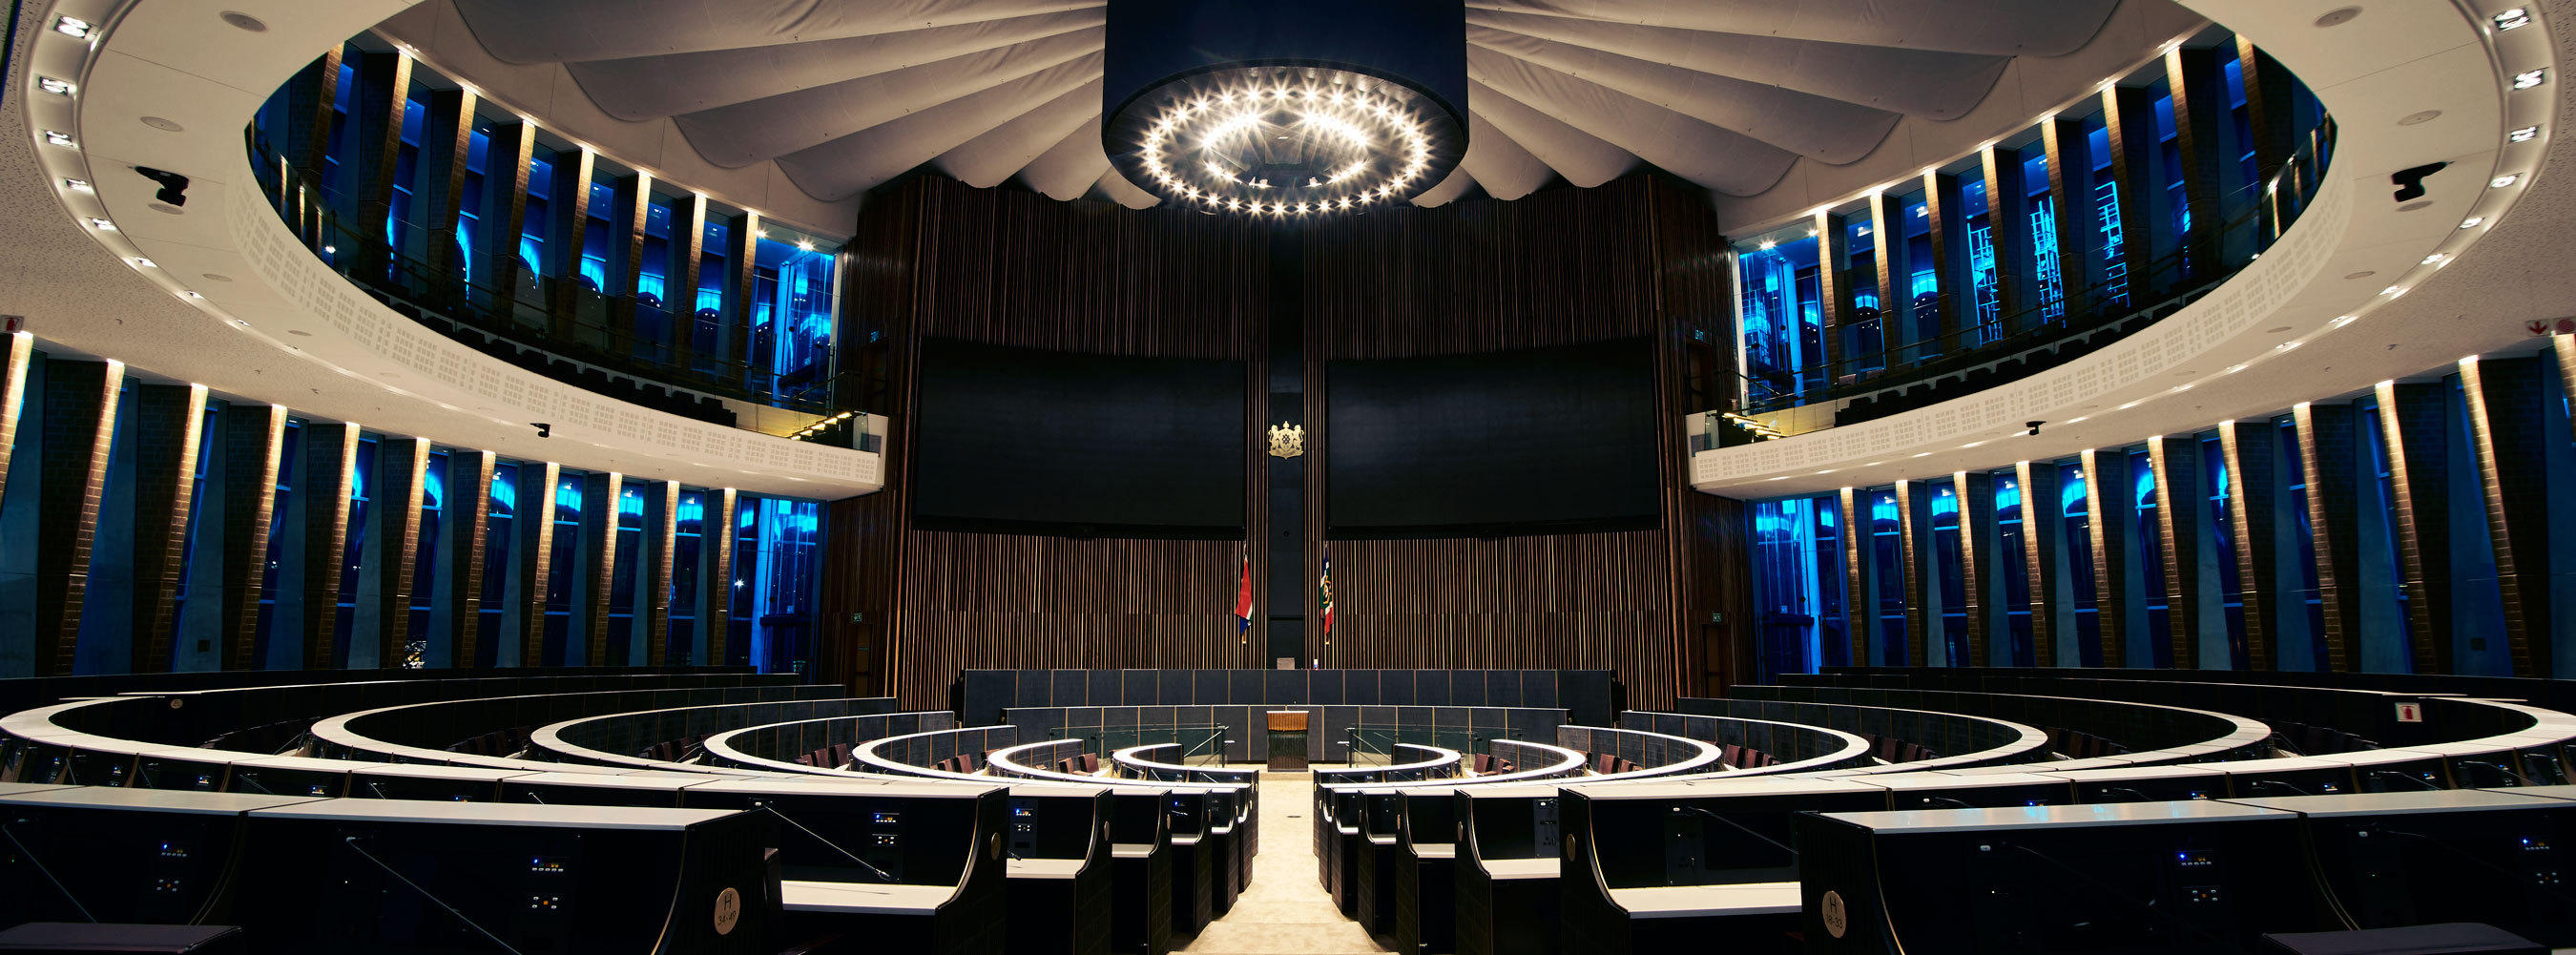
x=2021, y=476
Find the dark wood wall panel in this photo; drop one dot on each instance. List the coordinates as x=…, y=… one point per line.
x=903, y=610
x=1569, y=601
x=941, y=259
x=1638, y=256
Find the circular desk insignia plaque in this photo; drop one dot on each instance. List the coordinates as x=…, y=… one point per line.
x=1837, y=919
x=728, y=910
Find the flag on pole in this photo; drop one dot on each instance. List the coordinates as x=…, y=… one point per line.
x=1243, y=600
x=1324, y=596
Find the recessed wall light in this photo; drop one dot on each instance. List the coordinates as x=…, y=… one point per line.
x=102, y=225
x=2432, y=259
x=73, y=27
x=54, y=86
x=2530, y=78
x=76, y=185
x=2472, y=222
x=143, y=263
x=2339, y=322
x=2502, y=181
x=2393, y=291
x=2510, y=19
x=62, y=139
x=2523, y=135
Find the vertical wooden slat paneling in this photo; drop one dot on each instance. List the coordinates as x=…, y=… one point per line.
x=597, y=569
x=2073, y=224
x=376, y=118
x=653, y=580
x=1018, y=269
x=253, y=440
x=403, y=466
x=13, y=395
x=2040, y=523
x=2012, y=245
x=2199, y=100
x=1910, y=575
x=79, y=421
x=444, y=146
x=330, y=465
x=508, y=159
x=2176, y=463
x=533, y=526
x=1942, y=202
x=2249, y=449
x=1861, y=614
x=2505, y=425
x=2110, y=563
x=465, y=519
x=1979, y=548
x=688, y=240
x=1550, y=269
x=570, y=207
x=2326, y=456
x=169, y=427
x=715, y=604
x=2129, y=115
x=2415, y=429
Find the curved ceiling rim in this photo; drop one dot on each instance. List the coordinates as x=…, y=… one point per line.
x=2090, y=93
x=590, y=139
x=218, y=235
x=2345, y=231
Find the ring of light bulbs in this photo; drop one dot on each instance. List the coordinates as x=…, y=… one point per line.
x=1352, y=113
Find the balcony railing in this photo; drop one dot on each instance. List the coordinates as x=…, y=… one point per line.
x=2037, y=335
x=561, y=325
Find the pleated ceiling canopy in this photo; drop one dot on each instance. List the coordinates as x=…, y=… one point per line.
x=847, y=94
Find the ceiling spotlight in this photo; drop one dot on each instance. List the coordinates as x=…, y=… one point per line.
x=60, y=139
x=2502, y=181
x=143, y=263
x=2472, y=222
x=2339, y=322
x=1766, y=245
x=76, y=185
x=73, y=27
x=2510, y=19
x=2393, y=291
x=2530, y=78
x=54, y=86
x=2523, y=135
x=2034, y=427
x=2433, y=258
x=191, y=295
x=102, y=225
x=804, y=245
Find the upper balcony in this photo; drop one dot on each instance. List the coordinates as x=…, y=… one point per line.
x=2086, y=226
x=544, y=253
x=2146, y=258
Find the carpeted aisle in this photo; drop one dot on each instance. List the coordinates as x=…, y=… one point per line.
x=1285, y=910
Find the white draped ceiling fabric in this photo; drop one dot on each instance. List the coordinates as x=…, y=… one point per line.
x=846, y=94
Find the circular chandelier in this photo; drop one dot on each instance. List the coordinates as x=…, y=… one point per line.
x=1277, y=110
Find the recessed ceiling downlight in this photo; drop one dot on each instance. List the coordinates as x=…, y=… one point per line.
x=243, y=21
x=2420, y=118
x=2338, y=16
x=164, y=125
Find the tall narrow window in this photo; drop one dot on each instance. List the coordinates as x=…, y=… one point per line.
x=2150, y=564
x=687, y=545
x=499, y=549
x=425, y=564
x=562, y=565
x=1951, y=562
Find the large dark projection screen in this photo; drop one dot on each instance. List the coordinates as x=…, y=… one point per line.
x=1024, y=441
x=1545, y=440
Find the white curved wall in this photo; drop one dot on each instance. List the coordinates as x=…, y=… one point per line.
x=273, y=323
x=2275, y=334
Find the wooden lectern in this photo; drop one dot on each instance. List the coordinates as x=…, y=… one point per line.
x=1287, y=739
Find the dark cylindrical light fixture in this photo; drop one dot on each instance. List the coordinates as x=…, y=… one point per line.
x=1279, y=108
